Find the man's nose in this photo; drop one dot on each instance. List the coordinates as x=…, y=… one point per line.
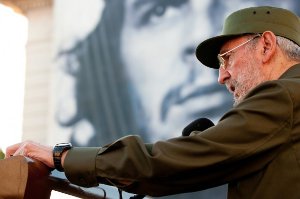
x=223, y=75
x=198, y=27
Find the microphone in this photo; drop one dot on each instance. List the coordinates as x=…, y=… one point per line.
x=200, y=124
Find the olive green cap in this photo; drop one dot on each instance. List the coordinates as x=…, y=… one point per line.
x=280, y=21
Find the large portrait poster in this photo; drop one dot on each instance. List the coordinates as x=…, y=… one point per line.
x=129, y=67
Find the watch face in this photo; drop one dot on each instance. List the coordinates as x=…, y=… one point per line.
x=63, y=144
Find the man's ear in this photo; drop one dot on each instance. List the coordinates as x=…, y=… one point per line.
x=269, y=46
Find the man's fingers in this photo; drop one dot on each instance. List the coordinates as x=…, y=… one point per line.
x=19, y=149
x=33, y=150
x=12, y=149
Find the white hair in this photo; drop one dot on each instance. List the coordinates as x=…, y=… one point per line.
x=290, y=48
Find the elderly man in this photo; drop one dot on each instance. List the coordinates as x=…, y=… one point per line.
x=255, y=147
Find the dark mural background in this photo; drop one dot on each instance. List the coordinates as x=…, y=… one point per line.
x=135, y=72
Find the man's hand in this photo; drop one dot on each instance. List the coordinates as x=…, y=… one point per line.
x=33, y=150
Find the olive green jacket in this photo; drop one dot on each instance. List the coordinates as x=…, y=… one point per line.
x=255, y=148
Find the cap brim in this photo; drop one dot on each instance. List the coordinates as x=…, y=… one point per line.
x=208, y=50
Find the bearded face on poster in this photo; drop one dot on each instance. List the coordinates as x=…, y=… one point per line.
x=136, y=73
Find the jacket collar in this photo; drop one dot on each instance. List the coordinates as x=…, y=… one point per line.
x=293, y=71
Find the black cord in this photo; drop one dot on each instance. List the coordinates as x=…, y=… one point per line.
x=120, y=193
x=137, y=196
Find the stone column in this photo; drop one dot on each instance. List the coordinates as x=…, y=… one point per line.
x=39, y=66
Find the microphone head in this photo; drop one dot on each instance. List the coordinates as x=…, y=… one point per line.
x=200, y=124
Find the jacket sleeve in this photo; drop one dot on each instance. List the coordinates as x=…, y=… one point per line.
x=244, y=141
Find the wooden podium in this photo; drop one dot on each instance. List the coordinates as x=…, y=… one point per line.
x=22, y=177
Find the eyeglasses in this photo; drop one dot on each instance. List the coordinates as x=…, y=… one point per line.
x=222, y=61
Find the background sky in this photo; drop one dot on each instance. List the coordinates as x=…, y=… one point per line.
x=12, y=72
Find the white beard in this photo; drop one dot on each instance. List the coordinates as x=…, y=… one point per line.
x=249, y=78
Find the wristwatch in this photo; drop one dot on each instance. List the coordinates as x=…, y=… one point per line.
x=57, y=153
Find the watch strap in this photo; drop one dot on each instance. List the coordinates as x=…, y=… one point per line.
x=57, y=154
